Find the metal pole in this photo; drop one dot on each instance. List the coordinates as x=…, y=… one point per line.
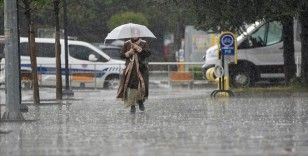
x=219, y=80
x=95, y=76
x=12, y=77
x=70, y=80
x=169, y=83
x=223, y=65
x=67, y=90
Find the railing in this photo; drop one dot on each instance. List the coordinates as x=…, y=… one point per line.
x=169, y=74
x=104, y=75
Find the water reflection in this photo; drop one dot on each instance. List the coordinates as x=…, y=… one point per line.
x=288, y=107
x=289, y=115
x=304, y=115
x=139, y=118
x=60, y=128
x=63, y=119
x=37, y=112
x=170, y=126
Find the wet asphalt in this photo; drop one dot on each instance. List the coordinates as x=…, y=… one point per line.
x=178, y=121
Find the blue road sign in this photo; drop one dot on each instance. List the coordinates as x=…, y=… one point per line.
x=227, y=44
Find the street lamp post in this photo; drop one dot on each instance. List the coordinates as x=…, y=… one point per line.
x=67, y=91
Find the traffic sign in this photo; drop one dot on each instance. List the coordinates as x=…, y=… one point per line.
x=227, y=44
x=227, y=49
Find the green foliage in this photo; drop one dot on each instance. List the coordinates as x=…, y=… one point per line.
x=233, y=15
x=109, y=1
x=40, y=3
x=126, y=17
x=297, y=83
x=171, y=13
x=88, y=19
x=197, y=72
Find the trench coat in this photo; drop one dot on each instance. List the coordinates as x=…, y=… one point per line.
x=136, y=72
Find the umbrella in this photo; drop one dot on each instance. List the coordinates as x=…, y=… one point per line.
x=129, y=30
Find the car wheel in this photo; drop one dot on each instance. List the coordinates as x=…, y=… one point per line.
x=112, y=82
x=241, y=79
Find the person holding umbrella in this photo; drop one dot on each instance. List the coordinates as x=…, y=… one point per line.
x=134, y=83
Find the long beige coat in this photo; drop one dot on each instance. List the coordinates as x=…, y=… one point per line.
x=136, y=73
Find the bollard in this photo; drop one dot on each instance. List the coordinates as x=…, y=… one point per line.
x=210, y=74
x=227, y=47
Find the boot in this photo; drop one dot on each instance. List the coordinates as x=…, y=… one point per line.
x=141, y=105
x=132, y=109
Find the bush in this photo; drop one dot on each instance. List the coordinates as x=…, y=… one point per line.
x=296, y=83
x=197, y=72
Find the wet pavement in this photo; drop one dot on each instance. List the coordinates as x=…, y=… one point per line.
x=176, y=122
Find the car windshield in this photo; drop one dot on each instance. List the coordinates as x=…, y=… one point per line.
x=112, y=52
x=249, y=29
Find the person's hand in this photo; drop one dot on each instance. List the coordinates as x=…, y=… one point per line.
x=137, y=48
x=130, y=53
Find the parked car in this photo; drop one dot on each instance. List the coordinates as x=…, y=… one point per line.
x=260, y=54
x=86, y=62
x=111, y=50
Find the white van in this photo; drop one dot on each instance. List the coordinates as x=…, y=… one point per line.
x=260, y=54
x=87, y=64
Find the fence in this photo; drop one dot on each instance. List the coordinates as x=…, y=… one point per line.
x=105, y=75
x=176, y=73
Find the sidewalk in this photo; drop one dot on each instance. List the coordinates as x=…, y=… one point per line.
x=176, y=122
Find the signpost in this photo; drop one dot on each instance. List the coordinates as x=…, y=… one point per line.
x=227, y=49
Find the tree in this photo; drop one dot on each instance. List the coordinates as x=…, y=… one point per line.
x=56, y=4
x=303, y=13
x=288, y=48
x=126, y=17
x=222, y=15
x=285, y=11
x=171, y=17
x=30, y=6
x=88, y=19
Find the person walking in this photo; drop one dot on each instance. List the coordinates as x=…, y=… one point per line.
x=134, y=83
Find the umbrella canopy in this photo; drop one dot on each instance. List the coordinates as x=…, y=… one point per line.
x=129, y=30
